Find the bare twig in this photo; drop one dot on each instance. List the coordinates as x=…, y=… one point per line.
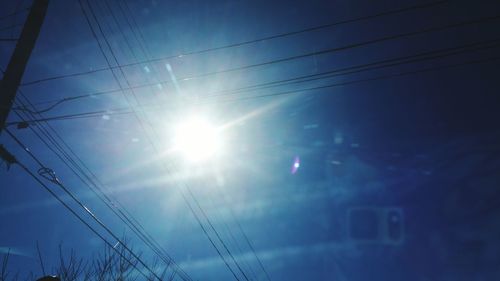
x=40, y=258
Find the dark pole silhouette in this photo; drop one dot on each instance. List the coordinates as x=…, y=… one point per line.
x=17, y=64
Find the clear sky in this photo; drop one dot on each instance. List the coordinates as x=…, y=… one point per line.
x=361, y=117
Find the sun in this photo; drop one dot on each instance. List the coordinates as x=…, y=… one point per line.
x=196, y=139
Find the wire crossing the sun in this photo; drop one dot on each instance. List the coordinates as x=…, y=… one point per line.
x=206, y=218
x=28, y=112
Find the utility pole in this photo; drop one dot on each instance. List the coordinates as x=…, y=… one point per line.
x=17, y=64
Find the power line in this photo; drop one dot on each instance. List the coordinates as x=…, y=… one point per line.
x=247, y=240
x=27, y=170
x=314, y=53
x=231, y=234
x=56, y=181
x=92, y=13
x=381, y=64
x=479, y=61
x=208, y=236
x=126, y=219
x=112, y=112
x=421, y=56
x=122, y=111
x=94, y=34
x=386, y=13
x=346, y=47
x=382, y=77
x=217, y=233
x=120, y=30
x=208, y=220
x=146, y=238
x=205, y=231
x=134, y=27
x=114, y=57
x=144, y=48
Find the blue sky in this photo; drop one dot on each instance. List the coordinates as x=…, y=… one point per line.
x=418, y=143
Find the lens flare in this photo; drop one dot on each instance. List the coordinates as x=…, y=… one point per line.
x=296, y=165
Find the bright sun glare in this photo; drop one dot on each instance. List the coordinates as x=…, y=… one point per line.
x=196, y=139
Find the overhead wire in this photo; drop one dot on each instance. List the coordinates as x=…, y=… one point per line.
x=345, y=47
x=426, y=70
x=177, y=269
x=217, y=234
x=121, y=212
x=139, y=37
x=96, y=38
x=220, y=239
x=224, y=196
x=205, y=231
x=91, y=10
x=73, y=196
x=134, y=27
x=80, y=218
x=208, y=220
x=231, y=234
x=120, y=30
x=309, y=54
x=127, y=218
x=113, y=55
x=377, y=78
x=125, y=111
x=296, y=32
x=379, y=64
x=86, y=209
x=290, y=92
x=108, y=62
x=137, y=33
